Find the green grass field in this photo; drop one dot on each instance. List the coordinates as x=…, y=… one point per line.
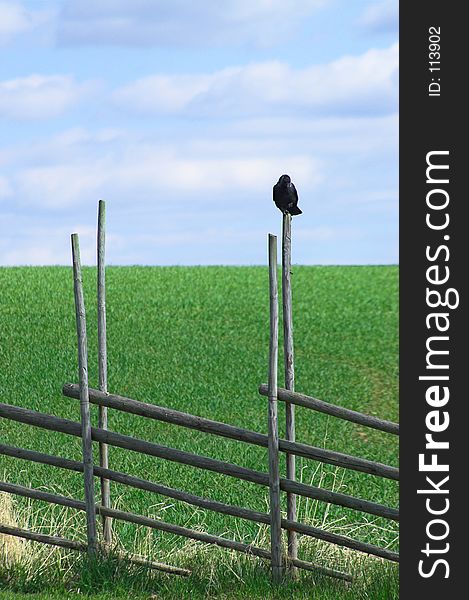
x=196, y=339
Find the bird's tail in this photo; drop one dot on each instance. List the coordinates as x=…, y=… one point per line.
x=294, y=210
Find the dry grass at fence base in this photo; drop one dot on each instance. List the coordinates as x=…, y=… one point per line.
x=32, y=560
x=11, y=548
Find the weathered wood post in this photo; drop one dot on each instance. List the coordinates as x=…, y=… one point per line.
x=274, y=476
x=84, y=400
x=289, y=375
x=102, y=363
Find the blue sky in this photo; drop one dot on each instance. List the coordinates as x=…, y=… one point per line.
x=182, y=115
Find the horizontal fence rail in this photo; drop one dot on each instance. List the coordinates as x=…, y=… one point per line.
x=38, y=419
x=53, y=540
x=153, y=524
x=182, y=419
x=333, y=410
x=199, y=501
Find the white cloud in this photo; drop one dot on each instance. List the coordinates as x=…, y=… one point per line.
x=59, y=186
x=181, y=22
x=154, y=171
x=381, y=17
x=361, y=84
x=352, y=134
x=40, y=96
x=15, y=19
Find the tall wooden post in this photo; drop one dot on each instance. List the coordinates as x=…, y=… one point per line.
x=289, y=374
x=84, y=399
x=274, y=476
x=102, y=363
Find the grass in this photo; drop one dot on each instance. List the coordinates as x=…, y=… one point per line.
x=196, y=339
x=245, y=580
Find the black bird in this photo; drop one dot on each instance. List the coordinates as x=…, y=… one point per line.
x=286, y=196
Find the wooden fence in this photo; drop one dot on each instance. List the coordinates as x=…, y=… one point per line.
x=275, y=446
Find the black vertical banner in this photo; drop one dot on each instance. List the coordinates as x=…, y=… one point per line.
x=434, y=234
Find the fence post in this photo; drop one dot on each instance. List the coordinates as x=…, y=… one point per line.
x=274, y=476
x=102, y=363
x=84, y=400
x=289, y=376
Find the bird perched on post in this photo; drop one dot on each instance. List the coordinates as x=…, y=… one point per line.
x=286, y=196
